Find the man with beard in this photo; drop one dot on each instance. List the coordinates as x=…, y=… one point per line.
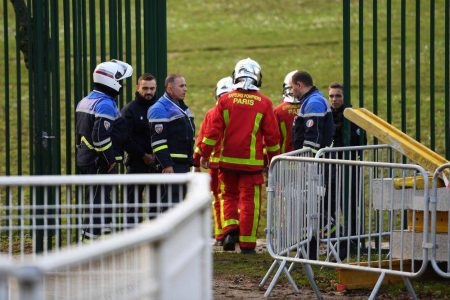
x=140, y=159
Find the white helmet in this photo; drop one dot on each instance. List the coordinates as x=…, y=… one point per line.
x=287, y=92
x=110, y=73
x=248, y=68
x=224, y=85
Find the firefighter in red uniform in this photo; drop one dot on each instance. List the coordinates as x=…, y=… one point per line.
x=285, y=113
x=223, y=86
x=244, y=118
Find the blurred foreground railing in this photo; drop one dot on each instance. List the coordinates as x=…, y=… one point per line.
x=164, y=258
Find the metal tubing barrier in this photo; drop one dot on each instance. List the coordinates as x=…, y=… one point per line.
x=305, y=152
x=77, y=208
x=355, y=215
x=374, y=153
x=132, y=262
x=440, y=232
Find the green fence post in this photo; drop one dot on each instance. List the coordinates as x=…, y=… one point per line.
x=6, y=76
x=361, y=53
x=138, y=38
x=102, y=31
x=67, y=88
x=129, y=85
x=418, y=77
x=389, y=62
x=447, y=79
x=403, y=64
x=432, y=81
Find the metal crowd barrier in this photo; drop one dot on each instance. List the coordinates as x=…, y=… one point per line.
x=44, y=213
x=440, y=232
x=374, y=153
x=349, y=214
x=132, y=262
x=290, y=192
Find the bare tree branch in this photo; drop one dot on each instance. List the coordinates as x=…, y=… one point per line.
x=20, y=8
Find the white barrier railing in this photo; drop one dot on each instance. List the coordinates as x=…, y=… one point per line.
x=342, y=213
x=166, y=258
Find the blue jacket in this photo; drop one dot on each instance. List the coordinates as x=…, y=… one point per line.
x=97, y=130
x=172, y=132
x=313, y=126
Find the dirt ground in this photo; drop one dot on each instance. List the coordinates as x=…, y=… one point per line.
x=240, y=287
x=228, y=286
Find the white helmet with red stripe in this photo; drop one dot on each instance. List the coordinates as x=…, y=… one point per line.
x=110, y=73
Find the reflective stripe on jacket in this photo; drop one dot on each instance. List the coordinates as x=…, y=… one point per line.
x=215, y=155
x=172, y=131
x=246, y=121
x=313, y=126
x=96, y=116
x=285, y=114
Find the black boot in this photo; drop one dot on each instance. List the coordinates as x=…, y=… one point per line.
x=231, y=238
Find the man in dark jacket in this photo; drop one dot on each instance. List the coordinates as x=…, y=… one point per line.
x=336, y=97
x=139, y=159
x=313, y=126
x=99, y=139
x=172, y=132
x=356, y=138
x=172, y=128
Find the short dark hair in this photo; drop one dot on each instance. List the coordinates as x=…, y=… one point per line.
x=146, y=77
x=171, y=79
x=304, y=77
x=336, y=85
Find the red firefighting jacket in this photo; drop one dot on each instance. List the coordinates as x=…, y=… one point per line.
x=285, y=113
x=215, y=155
x=245, y=119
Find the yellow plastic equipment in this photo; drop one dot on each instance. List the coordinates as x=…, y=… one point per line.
x=400, y=141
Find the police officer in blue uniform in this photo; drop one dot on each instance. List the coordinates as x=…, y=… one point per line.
x=172, y=130
x=99, y=137
x=313, y=126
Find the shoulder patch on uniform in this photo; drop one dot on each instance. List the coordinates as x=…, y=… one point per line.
x=106, y=124
x=159, y=128
x=310, y=123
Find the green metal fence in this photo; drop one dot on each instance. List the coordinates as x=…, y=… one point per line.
x=396, y=63
x=49, y=49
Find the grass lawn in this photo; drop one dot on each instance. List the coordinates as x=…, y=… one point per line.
x=207, y=38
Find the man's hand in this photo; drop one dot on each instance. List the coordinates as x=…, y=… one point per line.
x=168, y=170
x=148, y=159
x=204, y=162
x=197, y=169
